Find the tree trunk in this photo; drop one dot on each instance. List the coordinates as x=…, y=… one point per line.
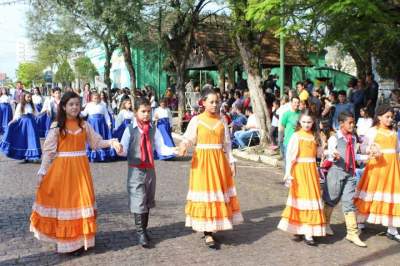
x=221, y=72
x=107, y=66
x=126, y=48
x=256, y=94
x=363, y=62
x=180, y=91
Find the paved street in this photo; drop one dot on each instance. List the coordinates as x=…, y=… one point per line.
x=256, y=242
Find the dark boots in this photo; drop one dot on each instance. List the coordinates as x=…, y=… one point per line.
x=141, y=221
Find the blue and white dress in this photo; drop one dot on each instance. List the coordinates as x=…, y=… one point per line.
x=46, y=116
x=6, y=113
x=37, y=102
x=123, y=120
x=99, y=119
x=164, y=125
x=21, y=140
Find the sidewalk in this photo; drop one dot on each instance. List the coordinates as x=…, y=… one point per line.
x=249, y=154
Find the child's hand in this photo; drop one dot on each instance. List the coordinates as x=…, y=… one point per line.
x=336, y=155
x=233, y=169
x=117, y=146
x=182, y=150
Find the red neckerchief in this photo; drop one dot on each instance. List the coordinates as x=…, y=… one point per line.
x=146, y=151
x=349, y=152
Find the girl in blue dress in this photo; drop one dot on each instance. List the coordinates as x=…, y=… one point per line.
x=163, y=117
x=48, y=112
x=99, y=118
x=21, y=139
x=6, y=113
x=124, y=118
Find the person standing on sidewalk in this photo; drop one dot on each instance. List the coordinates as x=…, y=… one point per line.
x=288, y=124
x=212, y=203
x=341, y=182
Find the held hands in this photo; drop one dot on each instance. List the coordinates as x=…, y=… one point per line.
x=374, y=151
x=182, y=149
x=117, y=146
x=233, y=169
x=336, y=155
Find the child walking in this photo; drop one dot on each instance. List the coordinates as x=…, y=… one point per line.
x=124, y=118
x=303, y=215
x=64, y=211
x=138, y=141
x=163, y=118
x=21, y=139
x=99, y=118
x=377, y=193
x=212, y=203
x=340, y=183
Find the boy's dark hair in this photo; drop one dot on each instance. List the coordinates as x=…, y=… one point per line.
x=299, y=83
x=295, y=97
x=142, y=101
x=342, y=93
x=249, y=109
x=344, y=115
x=56, y=89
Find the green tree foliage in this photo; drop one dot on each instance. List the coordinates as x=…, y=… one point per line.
x=84, y=69
x=64, y=74
x=364, y=28
x=30, y=73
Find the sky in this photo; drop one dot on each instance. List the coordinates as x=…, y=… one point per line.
x=12, y=28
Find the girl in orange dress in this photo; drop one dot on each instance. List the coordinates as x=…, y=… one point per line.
x=212, y=203
x=378, y=193
x=304, y=213
x=64, y=211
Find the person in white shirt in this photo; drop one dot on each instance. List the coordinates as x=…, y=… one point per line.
x=6, y=112
x=21, y=139
x=37, y=99
x=252, y=127
x=163, y=117
x=99, y=119
x=123, y=119
x=363, y=123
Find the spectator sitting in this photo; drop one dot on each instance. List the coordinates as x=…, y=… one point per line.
x=243, y=136
x=238, y=118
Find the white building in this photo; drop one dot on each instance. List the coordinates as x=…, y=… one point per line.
x=25, y=51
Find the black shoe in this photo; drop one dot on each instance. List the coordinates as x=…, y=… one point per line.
x=140, y=230
x=298, y=238
x=77, y=252
x=310, y=242
x=145, y=223
x=392, y=237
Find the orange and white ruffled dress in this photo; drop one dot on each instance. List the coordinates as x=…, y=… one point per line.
x=377, y=196
x=212, y=203
x=303, y=214
x=64, y=211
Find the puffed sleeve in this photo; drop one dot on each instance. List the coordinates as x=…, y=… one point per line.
x=95, y=140
x=291, y=155
x=228, y=143
x=190, y=136
x=18, y=112
x=106, y=114
x=49, y=150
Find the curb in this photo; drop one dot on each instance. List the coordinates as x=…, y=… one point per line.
x=265, y=159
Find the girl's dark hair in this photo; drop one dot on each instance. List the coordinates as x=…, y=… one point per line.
x=206, y=92
x=381, y=110
x=366, y=112
x=314, y=128
x=123, y=103
x=105, y=97
x=38, y=90
x=141, y=101
x=24, y=102
x=62, y=114
x=56, y=89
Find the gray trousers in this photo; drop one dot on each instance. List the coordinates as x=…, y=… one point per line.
x=340, y=185
x=142, y=189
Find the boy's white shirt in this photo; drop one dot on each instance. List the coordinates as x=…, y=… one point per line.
x=159, y=145
x=332, y=145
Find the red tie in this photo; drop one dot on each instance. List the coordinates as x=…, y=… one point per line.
x=350, y=152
